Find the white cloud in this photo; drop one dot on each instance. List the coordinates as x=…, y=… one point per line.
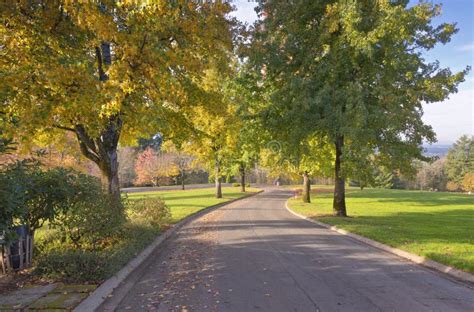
x=452, y=118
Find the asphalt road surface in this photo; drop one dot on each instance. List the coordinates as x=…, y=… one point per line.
x=253, y=255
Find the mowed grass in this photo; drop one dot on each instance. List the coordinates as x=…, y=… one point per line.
x=184, y=203
x=436, y=225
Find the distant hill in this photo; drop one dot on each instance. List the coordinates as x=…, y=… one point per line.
x=439, y=150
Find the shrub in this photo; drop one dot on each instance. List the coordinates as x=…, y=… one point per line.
x=468, y=182
x=235, y=184
x=151, y=209
x=452, y=186
x=92, y=216
x=12, y=196
x=31, y=196
x=73, y=265
x=49, y=195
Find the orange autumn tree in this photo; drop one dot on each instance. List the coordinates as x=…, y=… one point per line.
x=151, y=166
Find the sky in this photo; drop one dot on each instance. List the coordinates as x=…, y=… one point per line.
x=455, y=116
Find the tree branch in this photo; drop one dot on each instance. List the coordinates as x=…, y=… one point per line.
x=64, y=128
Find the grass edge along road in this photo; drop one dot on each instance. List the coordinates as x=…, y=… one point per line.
x=185, y=203
x=436, y=225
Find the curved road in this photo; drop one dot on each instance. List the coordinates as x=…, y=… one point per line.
x=253, y=255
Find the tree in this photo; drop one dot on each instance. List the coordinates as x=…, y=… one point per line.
x=150, y=166
x=182, y=161
x=215, y=126
x=432, y=176
x=460, y=159
x=353, y=74
x=468, y=182
x=107, y=70
x=146, y=167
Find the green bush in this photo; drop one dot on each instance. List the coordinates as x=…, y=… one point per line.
x=91, y=217
x=151, y=209
x=32, y=196
x=73, y=265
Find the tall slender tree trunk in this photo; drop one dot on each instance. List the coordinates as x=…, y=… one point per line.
x=306, y=188
x=339, y=202
x=182, y=180
x=218, y=179
x=242, y=178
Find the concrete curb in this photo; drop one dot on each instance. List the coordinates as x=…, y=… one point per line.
x=452, y=272
x=97, y=297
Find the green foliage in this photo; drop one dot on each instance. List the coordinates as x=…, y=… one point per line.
x=351, y=74
x=151, y=209
x=460, y=159
x=73, y=265
x=32, y=196
x=90, y=221
x=13, y=189
x=383, y=179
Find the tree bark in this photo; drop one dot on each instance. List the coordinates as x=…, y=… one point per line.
x=182, y=180
x=306, y=188
x=339, y=202
x=242, y=178
x=103, y=151
x=218, y=179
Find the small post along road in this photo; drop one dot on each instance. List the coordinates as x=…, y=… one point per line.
x=254, y=255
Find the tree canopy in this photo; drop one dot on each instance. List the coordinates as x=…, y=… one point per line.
x=352, y=73
x=108, y=71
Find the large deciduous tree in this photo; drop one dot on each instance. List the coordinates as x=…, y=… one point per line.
x=353, y=73
x=107, y=70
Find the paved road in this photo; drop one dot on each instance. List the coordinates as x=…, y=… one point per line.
x=254, y=255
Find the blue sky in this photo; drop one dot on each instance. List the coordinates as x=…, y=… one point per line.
x=455, y=116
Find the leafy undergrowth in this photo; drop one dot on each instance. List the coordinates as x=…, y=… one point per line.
x=57, y=259
x=437, y=225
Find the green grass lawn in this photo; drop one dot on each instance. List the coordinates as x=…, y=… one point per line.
x=437, y=225
x=184, y=203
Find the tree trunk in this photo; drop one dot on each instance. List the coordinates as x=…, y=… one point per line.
x=218, y=180
x=339, y=202
x=306, y=188
x=242, y=178
x=110, y=170
x=182, y=180
x=103, y=151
